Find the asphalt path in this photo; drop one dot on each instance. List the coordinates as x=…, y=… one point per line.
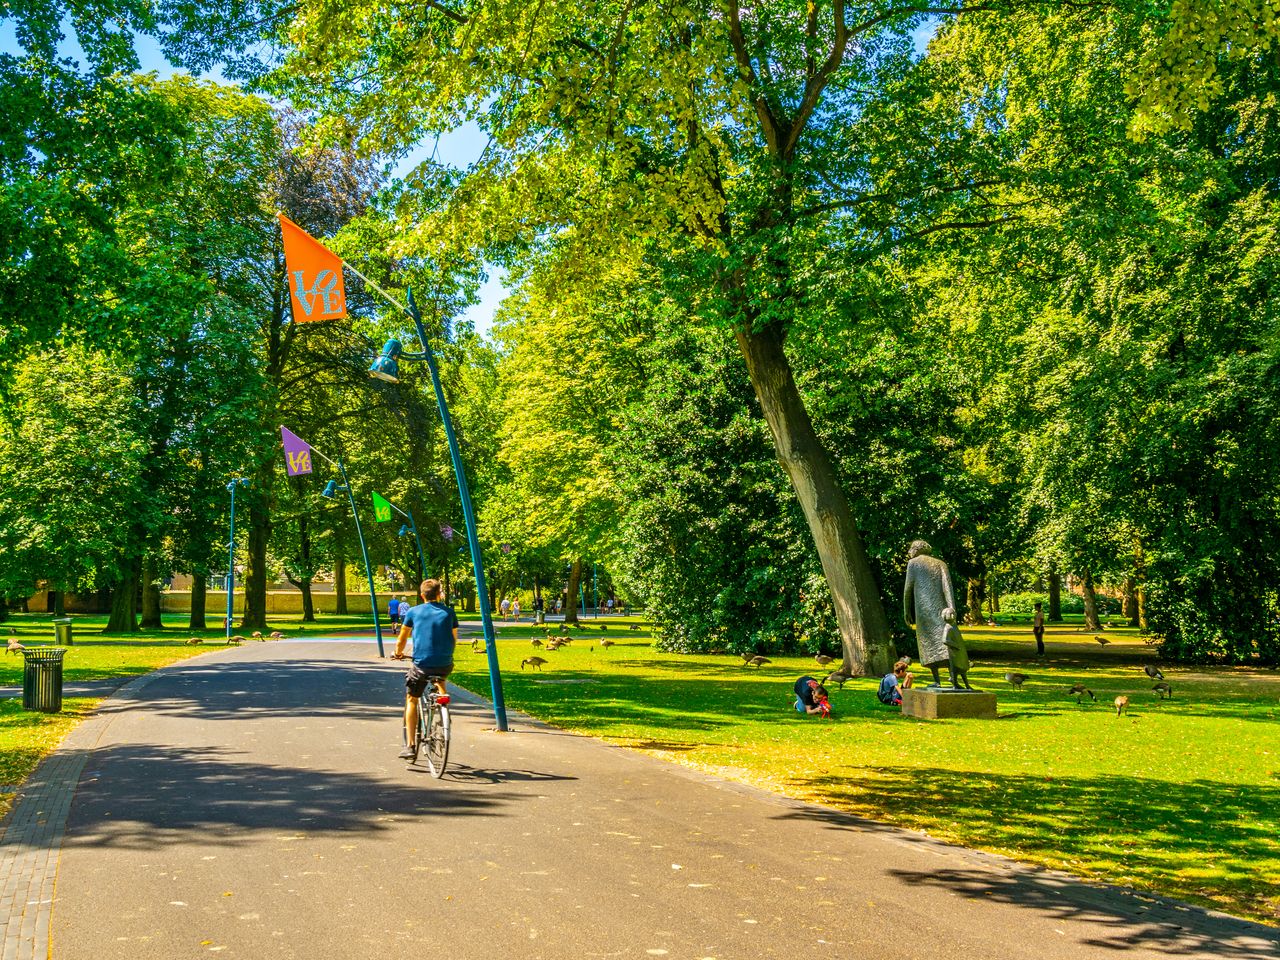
x=249, y=803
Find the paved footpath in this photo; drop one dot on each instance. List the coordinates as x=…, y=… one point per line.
x=248, y=803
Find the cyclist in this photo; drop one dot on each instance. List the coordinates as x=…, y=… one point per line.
x=434, y=629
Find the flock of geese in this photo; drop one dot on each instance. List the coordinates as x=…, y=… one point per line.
x=1163, y=690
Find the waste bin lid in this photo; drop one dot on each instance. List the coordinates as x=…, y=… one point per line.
x=45, y=653
x=62, y=620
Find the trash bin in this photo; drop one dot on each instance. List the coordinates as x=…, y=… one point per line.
x=42, y=679
x=62, y=627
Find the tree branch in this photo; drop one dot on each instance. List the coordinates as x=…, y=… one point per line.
x=768, y=122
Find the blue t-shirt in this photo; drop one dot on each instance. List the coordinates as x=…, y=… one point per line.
x=392, y=607
x=432, y=625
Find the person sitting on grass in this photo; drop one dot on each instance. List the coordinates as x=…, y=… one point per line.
x=811, y=697
x=892, y=685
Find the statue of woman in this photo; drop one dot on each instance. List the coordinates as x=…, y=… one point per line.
x=929, y=605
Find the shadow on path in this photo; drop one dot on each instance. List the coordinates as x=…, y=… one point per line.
x=145, y=796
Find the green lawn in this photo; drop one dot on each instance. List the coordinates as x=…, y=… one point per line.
x=1181, y=796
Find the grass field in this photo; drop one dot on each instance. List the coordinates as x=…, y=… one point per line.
x=1180, y=796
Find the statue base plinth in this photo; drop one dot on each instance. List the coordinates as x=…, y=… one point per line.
x=944, y=703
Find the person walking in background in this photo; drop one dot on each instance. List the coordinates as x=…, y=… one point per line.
x=402, y=609
x=1037, y=627
x=504, y=607
x=515, y=609
x=393, y=611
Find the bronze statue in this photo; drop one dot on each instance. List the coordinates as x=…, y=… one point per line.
x=929, y=605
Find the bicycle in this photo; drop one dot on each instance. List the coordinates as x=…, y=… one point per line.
x=433, y=728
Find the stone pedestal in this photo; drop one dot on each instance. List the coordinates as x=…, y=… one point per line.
x=947, y=704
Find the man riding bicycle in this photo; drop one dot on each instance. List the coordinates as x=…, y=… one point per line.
x=434, y=629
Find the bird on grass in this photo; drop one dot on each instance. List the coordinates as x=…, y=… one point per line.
x=13, y=631
x=1080, y=690
x=1121, y=704
x=195, y=640
x=823, y=659
x=14, y=647
x=474, y=648
x=746, y=658
x=535, y=662
x=635, y=626
x=606, y=644
x=257, y=634
x=1102, y=641
x=536, y=642
x=277, y=635
x=757, y=662
x=838, y=678
x=1163, y=691
x=231, y=641
x=604, y=626
x=1016, y=679
x=1153, y=672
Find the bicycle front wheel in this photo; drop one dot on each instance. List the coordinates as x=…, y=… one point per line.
x=435, y=744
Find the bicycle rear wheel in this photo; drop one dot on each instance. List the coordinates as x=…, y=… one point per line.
x=435, y=742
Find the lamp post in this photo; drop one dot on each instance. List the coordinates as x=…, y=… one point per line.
x=231, y=550
x=386, y=367
x=331, y=489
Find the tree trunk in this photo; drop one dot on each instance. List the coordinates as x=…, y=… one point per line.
x=571, y=598
x=1140, y=576
x=124, y=600
x=150, y=595
x=1142, y=609
x=1131, y=600
x=1090, y=603
x=995, y=599
x=340, y=585
x=199, y=593
x=59, y=603
x=1055, y=595
x=975, y=595
x=303, y=583
x=255, y=573
x=864, y=629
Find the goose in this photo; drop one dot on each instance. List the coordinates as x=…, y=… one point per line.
x=535, y=662
x=1121, y=703
x=823, y=659
x=1080, y=690
x=1016, y=679
x=14, y=647
x=1163, y=690
x=758, y=662
x=1153, y=672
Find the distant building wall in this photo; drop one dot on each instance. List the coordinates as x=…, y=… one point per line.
x=281, y=601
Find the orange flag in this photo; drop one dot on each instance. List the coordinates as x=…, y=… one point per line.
x=314, y=274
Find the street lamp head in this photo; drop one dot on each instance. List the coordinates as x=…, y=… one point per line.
x=241, y=481
x=330, y=489
x=385, y=366
x=404, y=530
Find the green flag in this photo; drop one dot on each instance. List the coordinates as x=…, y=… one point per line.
x=381, y=507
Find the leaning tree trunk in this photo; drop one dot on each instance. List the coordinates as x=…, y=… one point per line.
x=340, y=585
x=864, y=629
x=571, y=599
x=150, y=595
x=1140, y=576
x=255, y=574
x=1055, y=595
x=199, y=594
x=59, y=603
x=124, y=600
x=1091, y=621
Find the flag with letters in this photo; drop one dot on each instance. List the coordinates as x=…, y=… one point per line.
x=381, y=507
x=314, y=275
x=297, y=453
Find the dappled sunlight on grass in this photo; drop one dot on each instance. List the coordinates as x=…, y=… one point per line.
x=1180, y=796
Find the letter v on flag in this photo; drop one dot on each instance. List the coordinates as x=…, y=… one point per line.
x=297, y=453
x=381, y=507
x=314, y=274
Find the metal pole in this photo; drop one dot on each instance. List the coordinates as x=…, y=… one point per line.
x=469, y=519
x=231, y=561
x=364, y=552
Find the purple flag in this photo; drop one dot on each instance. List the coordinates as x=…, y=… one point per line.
x=297, y=454
x=446, y=531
